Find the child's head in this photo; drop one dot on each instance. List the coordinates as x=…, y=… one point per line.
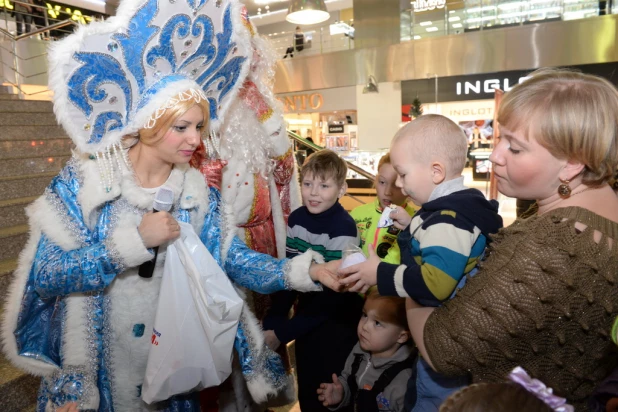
x=388, y=193
x=383, y=328
x=494, y=397
x=429, y=150
x=322, y=180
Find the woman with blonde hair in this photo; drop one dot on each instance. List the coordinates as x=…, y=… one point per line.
x=136, y=94
x=546, y=296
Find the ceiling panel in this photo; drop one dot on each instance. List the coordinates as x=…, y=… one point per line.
x=253, y=5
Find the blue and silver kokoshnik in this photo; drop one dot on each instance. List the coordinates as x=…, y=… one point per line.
x=111, y=78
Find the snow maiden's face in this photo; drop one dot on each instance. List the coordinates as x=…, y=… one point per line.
x=182, y=138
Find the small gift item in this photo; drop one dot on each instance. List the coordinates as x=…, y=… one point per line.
x=385, y=219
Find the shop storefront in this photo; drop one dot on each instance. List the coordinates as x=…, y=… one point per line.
x=327, y=116
x=469, y=102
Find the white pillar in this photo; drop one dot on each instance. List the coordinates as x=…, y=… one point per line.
x=379, y=115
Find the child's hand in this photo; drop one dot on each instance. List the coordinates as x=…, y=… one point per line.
x=326, y=274
x=401, y=218
x=271, y=339
x=331, y=394
x=360, y=277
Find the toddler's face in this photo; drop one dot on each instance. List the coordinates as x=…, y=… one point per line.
x=320, y=195
x=380, y=338
x=414, y=176
x=388, y=193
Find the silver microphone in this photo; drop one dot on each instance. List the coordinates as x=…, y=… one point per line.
x=163, y=201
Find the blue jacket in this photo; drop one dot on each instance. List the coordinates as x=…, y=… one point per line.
x=79, y=316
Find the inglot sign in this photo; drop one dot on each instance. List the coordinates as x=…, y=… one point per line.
x=482, y=86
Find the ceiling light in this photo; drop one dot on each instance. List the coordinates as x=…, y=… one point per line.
x=425, y=23
x=417, y=37
x=457, y=25
x=430, y=29
x=456, y=18
x=307, y=12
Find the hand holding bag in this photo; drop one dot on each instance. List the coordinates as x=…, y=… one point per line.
x=195, y=324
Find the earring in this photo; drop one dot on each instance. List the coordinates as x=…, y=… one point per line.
x=564, y=190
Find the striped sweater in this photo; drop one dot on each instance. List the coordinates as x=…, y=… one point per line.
x=444, y=241
x=327, y=233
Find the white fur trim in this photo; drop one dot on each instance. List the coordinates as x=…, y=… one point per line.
x=133, y=300
x=195, y=198
x=298, y=277
x=92, y=194
x=13, y=305
x=278, y=220
x=128, y=242
x=260, y=389
x=75, y=350
x=137, y=196
x=43, y=215
x=398, y=279
x=296, y=200
x=229, y=230
x=258, y=385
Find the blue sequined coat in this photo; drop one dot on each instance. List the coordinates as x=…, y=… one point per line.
x=79, y=315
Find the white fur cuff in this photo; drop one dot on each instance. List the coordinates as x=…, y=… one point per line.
x=298, y=276
x=128, y=244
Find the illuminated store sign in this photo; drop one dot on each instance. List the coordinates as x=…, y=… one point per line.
x=301, y=102
x=335, y=128
x=485, y=86
x=482, y=86
x=57, y=11
x=425, y=5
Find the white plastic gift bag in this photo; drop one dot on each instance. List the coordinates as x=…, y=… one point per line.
x=195, y=323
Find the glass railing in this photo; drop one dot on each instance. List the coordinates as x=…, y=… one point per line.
x=326, y=39
x=435, y=18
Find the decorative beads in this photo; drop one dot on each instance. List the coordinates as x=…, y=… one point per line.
x=87, y=126
x=112, y=46
x=188, y=43
x=113, y=100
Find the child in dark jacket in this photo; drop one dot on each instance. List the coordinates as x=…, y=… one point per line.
x=324, y=323
x=378, y=369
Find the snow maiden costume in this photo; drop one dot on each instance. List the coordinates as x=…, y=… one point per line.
x=77, y=313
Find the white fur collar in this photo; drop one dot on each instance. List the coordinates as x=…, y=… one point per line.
x=188, y=185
